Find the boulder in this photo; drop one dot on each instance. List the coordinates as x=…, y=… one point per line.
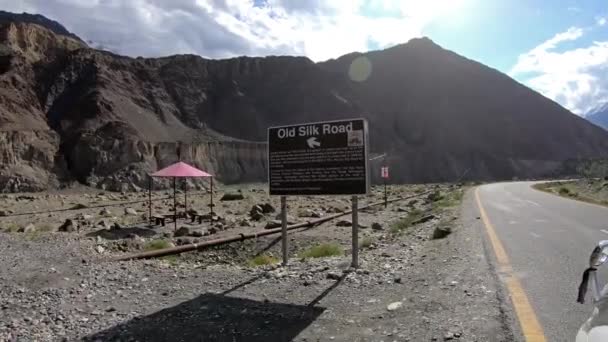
x=256, y=213
x=182, y=231
x=394, y=306
x=272, y=224
x=130, y=211
x=67, y=226
x=333, y=275
x=377, y=226
x=310, y=213
x=434, y=196
x=245, y=223
x=105, y=212
x=237, y=196
x=267, y=208
x=30, y=228
x=198, y=233
x=344, y=223
x=441, y=232
x=78, y=206
x=183, y=241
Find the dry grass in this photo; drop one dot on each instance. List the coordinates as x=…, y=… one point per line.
x=156, y=244
x=366, y=242
x=323, y=250
x=263, y=259
x=406, y=222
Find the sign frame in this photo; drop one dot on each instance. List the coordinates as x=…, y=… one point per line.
x=365, y=153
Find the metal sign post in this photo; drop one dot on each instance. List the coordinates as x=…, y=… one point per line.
x=385, y=195
x=319, y=158
x=384, y=178
x=355, y=238
x=284, y=229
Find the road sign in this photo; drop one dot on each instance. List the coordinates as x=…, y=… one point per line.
x=384, y=172
x=321, y=158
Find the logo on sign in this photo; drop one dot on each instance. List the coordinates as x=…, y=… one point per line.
x=384, y=172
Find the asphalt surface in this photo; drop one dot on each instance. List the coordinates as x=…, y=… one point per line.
x=548, y=240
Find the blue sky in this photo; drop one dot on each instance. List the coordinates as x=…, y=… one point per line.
x=559, y=48
x=497, y=32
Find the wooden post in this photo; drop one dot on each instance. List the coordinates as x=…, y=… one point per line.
x=284, y=229
x=211, y=199
x=185, y=195
x=385, y=195
x=149, y=200
x=355, y=237
x=174, y=207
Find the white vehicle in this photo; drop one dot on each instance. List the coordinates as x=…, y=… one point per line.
x=595, y=329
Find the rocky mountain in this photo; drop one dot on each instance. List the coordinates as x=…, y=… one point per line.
x=69, y=112
x=599, y=115
x=52, y=25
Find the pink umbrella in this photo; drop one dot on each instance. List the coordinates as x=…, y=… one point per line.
x=179, y=170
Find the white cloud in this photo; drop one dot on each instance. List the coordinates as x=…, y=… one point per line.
x=225, y=28
x=601, y=21
x=575, y=78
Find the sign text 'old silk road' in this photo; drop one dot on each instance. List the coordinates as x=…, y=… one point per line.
x=322, y=158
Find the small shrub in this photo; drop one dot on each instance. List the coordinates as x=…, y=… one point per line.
x=171, y=259
x=11, y=228
x=406, y=222
x=564, y=191
x=156, y=244
x=263, y=259
x=366, y=242
x=322, y=250
x=435, y=196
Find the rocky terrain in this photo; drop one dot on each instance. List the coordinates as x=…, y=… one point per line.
x=72, y=113
x=414, y=284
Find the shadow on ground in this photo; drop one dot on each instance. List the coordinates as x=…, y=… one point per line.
x=123, y=233
x=216, y=317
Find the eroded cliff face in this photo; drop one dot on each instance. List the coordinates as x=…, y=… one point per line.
x=124, y=165
x=29, y=160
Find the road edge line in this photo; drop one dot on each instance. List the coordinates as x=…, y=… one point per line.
x=528, y=321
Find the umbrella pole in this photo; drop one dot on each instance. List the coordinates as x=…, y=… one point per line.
x=149, y=200
x=211, y=204
x=174, y=207
x=186, y=196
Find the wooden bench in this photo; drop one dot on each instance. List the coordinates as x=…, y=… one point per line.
x=199, y=217
x=159, y=219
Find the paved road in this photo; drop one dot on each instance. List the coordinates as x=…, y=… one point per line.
x=548, y=240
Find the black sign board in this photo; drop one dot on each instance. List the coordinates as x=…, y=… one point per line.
x=321, y=158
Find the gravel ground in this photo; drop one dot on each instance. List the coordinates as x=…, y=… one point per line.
x=63, y=286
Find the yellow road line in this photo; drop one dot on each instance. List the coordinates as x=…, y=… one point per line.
x=531, y=328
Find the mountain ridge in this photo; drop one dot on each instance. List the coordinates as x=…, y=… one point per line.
x=109, y=119
x=599, y=115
